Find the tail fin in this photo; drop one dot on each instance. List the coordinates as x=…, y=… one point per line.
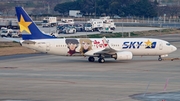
x=28, y=28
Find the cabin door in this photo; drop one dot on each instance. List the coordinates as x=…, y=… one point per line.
x=160, y=46
x=48, y=47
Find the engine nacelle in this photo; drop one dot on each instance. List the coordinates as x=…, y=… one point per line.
x=124, y=55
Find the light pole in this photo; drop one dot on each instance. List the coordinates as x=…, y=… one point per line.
x=164, y=18
x=48, y=8
x=122, y=30
x=95, y=8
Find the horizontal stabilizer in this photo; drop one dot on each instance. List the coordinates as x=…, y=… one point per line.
x=28, y=42
x=13, y=39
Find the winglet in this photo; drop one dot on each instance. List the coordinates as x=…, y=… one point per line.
x=28, y=28
x=108, y=47
x=106, y=42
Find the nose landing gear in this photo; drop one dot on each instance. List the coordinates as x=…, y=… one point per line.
x=160, y=58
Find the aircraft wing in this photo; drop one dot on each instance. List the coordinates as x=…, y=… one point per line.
x=107, y=50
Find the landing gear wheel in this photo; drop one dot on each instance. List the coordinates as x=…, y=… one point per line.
x=159, y=59
x=91, y=59
x=101, y=60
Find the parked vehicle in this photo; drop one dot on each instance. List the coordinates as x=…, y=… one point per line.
x=15, y=34
x=88, y=27
x=106, y=30
x=79, y=27
x=69, y=30
x=10, y=33
x=108, y=23
x=60, y=29
x=65, y=21
x=49, y=22
x=97, y=24
x=75, y=13
x=6, y=32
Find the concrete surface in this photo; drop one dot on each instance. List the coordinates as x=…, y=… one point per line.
x=41, y=77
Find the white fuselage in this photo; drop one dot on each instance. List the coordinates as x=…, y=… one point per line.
x=138, y=46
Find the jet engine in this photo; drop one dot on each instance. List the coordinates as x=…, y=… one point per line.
x=124, y=55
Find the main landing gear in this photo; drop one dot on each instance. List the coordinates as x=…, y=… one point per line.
x=160, y=58
x=91, y=59
x=100, y=60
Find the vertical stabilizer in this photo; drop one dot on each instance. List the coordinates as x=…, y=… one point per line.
x=28, y=28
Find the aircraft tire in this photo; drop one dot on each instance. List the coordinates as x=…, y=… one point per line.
x=91, y=59
x=101, y=60
x=159, y=59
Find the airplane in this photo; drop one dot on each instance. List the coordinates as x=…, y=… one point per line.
x=101, y=48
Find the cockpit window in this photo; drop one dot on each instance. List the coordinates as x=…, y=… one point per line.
x=168, y=44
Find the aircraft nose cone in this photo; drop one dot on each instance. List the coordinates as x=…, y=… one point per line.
x=174, y=48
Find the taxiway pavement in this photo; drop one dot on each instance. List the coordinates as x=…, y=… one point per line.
x=41, y=77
